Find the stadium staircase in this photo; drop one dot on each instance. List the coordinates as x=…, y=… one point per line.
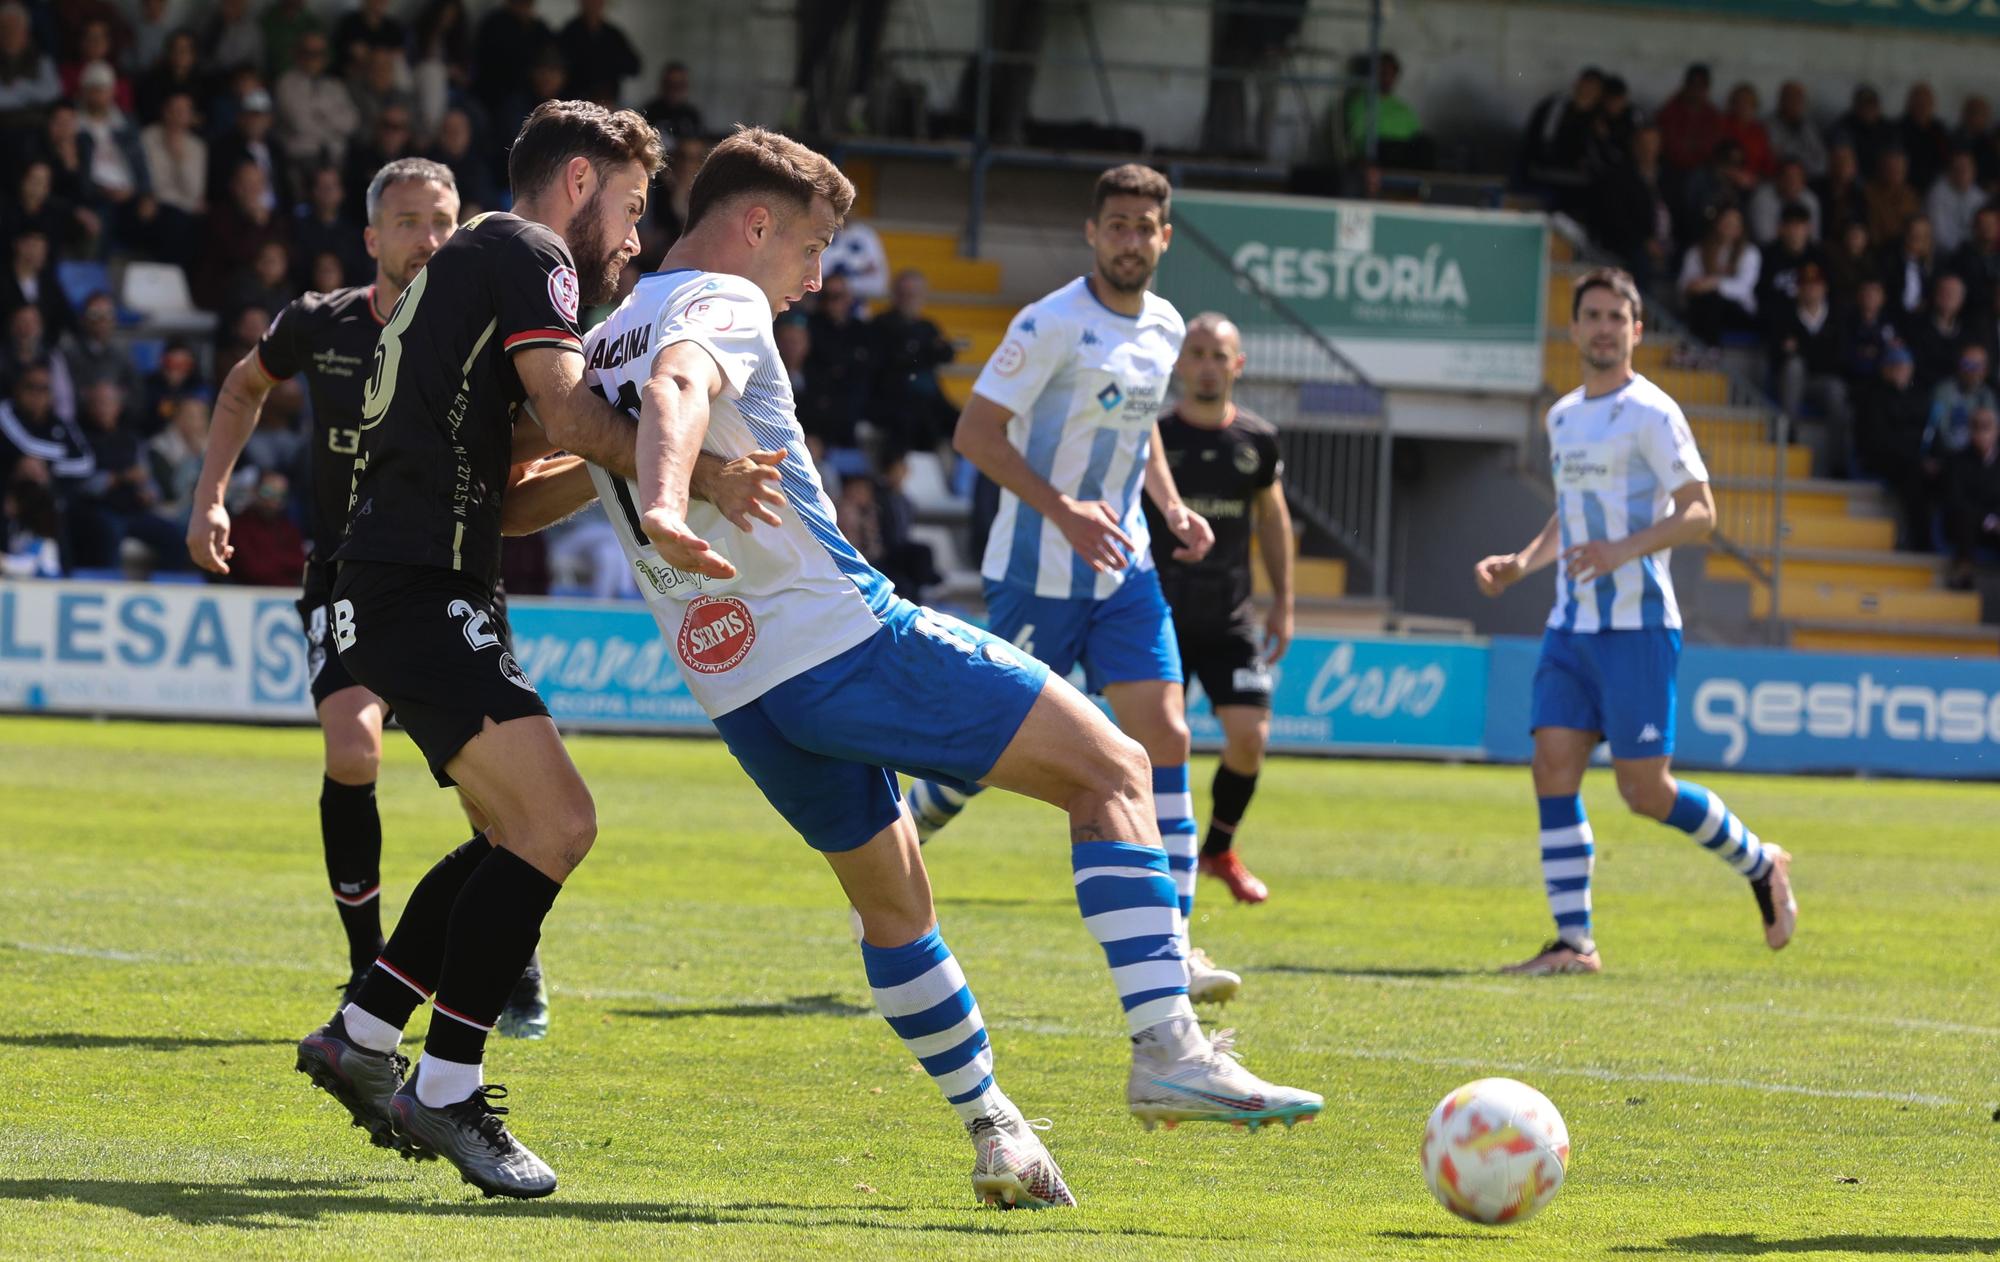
x=1842, y=585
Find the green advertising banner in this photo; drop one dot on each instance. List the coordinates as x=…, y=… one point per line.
x=1440, y=299
x=1944, y=17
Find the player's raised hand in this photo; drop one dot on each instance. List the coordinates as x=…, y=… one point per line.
x=747, y=489
x=1587, y=562
x=1194, y=532
x=683, y=548
x=1496, y=574
x=208, y=539
x=1091, y=526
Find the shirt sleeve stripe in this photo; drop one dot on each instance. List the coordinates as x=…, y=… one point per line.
x=541, y=337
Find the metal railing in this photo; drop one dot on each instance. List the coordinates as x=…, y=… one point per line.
x=1332, y=427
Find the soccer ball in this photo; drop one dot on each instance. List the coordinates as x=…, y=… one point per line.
x=1495, y=1151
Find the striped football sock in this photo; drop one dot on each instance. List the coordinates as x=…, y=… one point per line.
x=934, y=805
x=1568, y=855
x=1173, y=805
x=918, y=987
x=1129, y=906
x=1702, y=816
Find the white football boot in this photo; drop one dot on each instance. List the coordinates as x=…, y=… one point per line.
x=1206, y=982
x=1011, y=1168
x=1179, y=1076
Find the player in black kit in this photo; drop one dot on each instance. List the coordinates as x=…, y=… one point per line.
x=485, y=332
x=412, y=210
x=1225, y=461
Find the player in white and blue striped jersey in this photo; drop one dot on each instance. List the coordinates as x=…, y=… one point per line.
x=1064, y=418
x=824, y=683
x=1630, y=486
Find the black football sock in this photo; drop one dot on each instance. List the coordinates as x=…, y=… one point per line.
x=350, y=831
x=495, y=926
x=1229, y=798
x=409, y=965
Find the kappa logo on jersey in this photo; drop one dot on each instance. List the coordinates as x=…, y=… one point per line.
x=715, y=634
x=1010, y=357
x=710, y=314
x=563, y=292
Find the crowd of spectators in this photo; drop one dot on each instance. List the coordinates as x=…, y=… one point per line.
x=1860, y=259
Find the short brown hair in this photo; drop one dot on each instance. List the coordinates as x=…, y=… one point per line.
x=1617, y=280
x=560, y=130
x=755, y=161
x=1134, y=179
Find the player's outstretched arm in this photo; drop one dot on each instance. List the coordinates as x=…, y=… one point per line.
x=1091, y=527
x=542, y=492
x=1693, y=521
x=1191, y=528
x=1274, y=544
x=572, y=415
x=230, y=426
x=1495, y=574
x=673, y=421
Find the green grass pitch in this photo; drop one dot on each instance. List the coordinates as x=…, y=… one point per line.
x=718, y=1086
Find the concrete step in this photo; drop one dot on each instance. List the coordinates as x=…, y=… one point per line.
x=1313, y=578
x=1838, y=567
x=1834, y=635
x=1859, y=534
x=1870, y=605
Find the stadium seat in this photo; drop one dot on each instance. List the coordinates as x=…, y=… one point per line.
x=80, y=278
x=159, y=292
x=929, y=494
x=145, y=353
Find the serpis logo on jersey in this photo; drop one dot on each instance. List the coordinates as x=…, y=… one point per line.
x=563, y=292
x=716, y=633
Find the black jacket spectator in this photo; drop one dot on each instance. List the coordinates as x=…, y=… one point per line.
x=1890, y=417
x=1864, y=127
x=1923, y=137
x=1936, y=334
x=178, y=70
x=1972, y=497
x=323, y=226
x=1866, y=334
x=838, y=374
x=510, y=38
x=1793, y=248
x=31, y=430
x=1842, y=199
x=671, y=110
x=1978, y=261
x=907, y=350
x=1911, y=270
x=599, y=56
x=250, y=142
x=1558, y=139
x=370, y=26
x=31, y=281
x=1631, y=214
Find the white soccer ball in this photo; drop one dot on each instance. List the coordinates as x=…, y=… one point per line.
x=1495, y=1151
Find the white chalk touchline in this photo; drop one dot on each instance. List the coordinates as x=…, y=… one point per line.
x=1639, y=1075
x=1583, y=995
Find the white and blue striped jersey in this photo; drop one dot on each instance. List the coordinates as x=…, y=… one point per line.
x=1617, y=460
x=802, y=594
x=1084, y=384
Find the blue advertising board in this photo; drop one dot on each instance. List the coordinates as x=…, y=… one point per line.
x=1345, y=695
x=1752, y=709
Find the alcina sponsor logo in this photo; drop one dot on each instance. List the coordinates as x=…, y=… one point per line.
x=1427, y=280
x=716, y=633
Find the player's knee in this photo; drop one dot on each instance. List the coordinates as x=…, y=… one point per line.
x=573, y=828
x=1650, y=796
x=353, y=757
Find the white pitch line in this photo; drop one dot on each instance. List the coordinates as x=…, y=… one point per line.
x=1625, y=1075
x=1582, y=994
